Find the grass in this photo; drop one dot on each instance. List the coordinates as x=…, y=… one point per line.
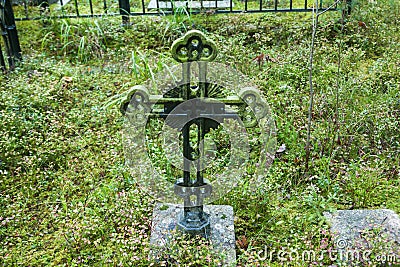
x=67, y=199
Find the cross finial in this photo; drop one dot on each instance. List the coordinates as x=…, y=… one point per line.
x=194, y=46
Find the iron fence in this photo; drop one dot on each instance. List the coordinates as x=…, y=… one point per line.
x=126, y=8
x=20, y=10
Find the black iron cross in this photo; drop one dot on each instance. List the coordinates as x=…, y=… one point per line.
x=187, y=105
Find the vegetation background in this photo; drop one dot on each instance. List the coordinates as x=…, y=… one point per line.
x=67, y=199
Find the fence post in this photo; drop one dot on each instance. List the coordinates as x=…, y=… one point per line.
x=2, y=62
x=12, y=34
x=347, y=8
x=124, y=10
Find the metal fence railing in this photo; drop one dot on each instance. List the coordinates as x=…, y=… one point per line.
x=126, y=8
x=19, y=10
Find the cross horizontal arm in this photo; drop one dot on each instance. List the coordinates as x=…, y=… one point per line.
x=162, y=115
x=159, y=99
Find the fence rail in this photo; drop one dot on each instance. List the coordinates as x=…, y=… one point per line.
x=126, y=8
x=21, y=10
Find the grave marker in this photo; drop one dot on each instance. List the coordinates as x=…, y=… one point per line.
x=357, y=232
x=197, y=98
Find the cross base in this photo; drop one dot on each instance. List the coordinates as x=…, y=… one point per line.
x=221, y=235
x=196, y=222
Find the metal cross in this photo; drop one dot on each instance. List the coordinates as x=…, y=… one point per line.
x=189, y=105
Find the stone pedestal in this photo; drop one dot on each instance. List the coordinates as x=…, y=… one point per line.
x=363, y=235
x=222, y=234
